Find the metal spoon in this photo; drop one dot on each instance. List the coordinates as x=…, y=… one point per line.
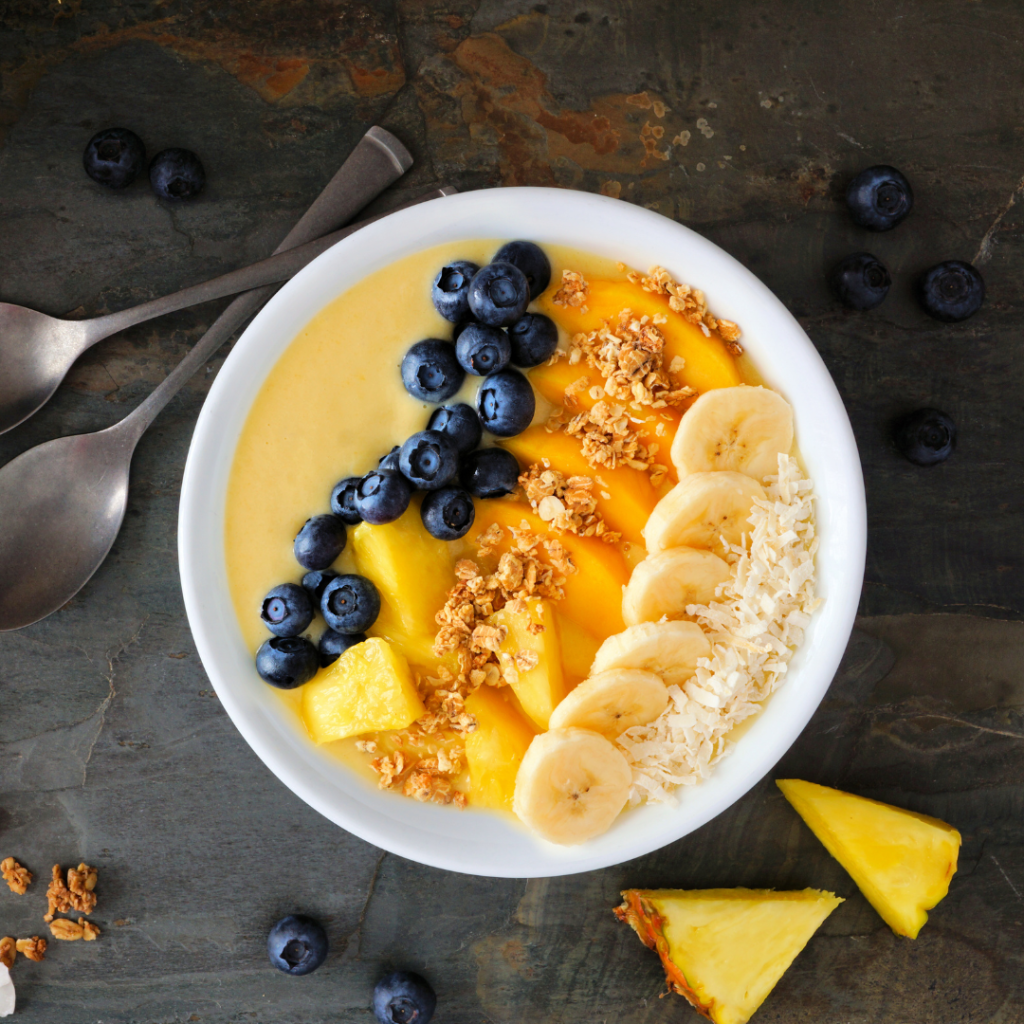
x=62, y=502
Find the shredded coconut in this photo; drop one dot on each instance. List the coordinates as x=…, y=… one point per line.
x=755, y=626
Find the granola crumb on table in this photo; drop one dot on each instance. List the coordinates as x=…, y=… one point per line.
x=7, y=951
x=67, y=930
x=77, y=894
x=33, y=949
x=17, y=877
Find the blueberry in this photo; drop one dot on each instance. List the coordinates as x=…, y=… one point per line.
x=350, y=604
x=450, y=292
x=482, y=350
x=861, y=281
x=430, y=371
x=448, y=513
x=114, y=157
x=286, y=610
x=952, y=291
x=343, y=500
x=297, y=945
x=498, y=294
x=314, y=582
x=383, y=497
x=506, y=403
x=176, y=174
x=459, y=423
x=333, y=645
x=428, y=460
x=534, y=338
x=287, y=661
x=530, y=259
x=489, y=472
x=389, y=463
x=879, y=198
x=926, y=437
x=403, y=998
x=320, y=541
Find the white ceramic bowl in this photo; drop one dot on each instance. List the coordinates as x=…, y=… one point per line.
x=478, y=842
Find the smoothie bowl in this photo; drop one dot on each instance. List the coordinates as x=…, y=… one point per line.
x=522, y=532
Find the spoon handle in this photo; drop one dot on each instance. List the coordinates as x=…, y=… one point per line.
x=378, y=160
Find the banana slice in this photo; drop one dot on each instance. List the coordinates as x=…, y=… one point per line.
x=571, y=785
x=740, y=429
x=665, y=583
x=612, y=702
x=700, y=509
x=668, y=649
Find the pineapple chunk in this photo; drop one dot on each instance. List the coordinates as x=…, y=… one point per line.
x=532, y=633
x=901, y=860
x=368, y=689
x=578, y=645
x=707, y=362
x=495, y=749
x=725, y=949
x=631, y=497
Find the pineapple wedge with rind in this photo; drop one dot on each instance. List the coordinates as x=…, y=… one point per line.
x=725, y=949
x=902, y=861
x=495, y=749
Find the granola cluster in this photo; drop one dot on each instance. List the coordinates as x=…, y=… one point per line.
x=573, y=292
x=7, y=951
x=18, y=879
x=77, y=894
x=565, y=503
x=32, y=949
x=608, y=438
x=428, y=779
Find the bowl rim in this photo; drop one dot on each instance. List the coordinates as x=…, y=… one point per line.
x=464, y=841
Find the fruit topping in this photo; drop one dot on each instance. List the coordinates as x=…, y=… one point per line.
x=448, y=513
x=531, y=260
x=482, y=350
x=459, y=423
x=314, y=583
x=287, y=661
x=495, y=749
x=431, y=372
x=286, y=610
x=952, y=291
x=297, y=944
x=902, y=861
x=450, y=291
x=389, y=463
x=428, y=460
x=611, y=702
x=879, y=198
x=860, y=281
x=498, y=294
x=176, y=174
x=382, y=497
x=664, y=584
x=343, y=500
x=351, y=603
x=333, y=644
x=506, y=403
x=114, y=157
x=533, y=338
x=668, y=649
x=320, y=541
x=403, y=998
x=926, y=437
x=489, y=473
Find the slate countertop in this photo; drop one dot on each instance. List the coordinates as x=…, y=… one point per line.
x=740, y=119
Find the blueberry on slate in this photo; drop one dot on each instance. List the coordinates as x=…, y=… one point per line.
x=952, y=291
x=389, y=463
x=176, y=174
x=382, y=497
x=489, y=472
x=343, y=500
x=482, y=350
x=430, y=370
x=297, y=944
x=287, y=661
x=314, y=582
x=459, y=423
x=530, y=259
x=879, y=198
x=114, y=157
x=498, y=294
x=450, y=292
x=506, y=403
x=428, y=460
x=861, y=281
x=534, y=338
x=286, y=610
x=333, y=645
x=448, y=513
x=350, y=604
x=926, y=437
x=320, y=541
x=403, y=998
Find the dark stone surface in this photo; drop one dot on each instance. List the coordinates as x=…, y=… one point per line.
x=114, y=749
